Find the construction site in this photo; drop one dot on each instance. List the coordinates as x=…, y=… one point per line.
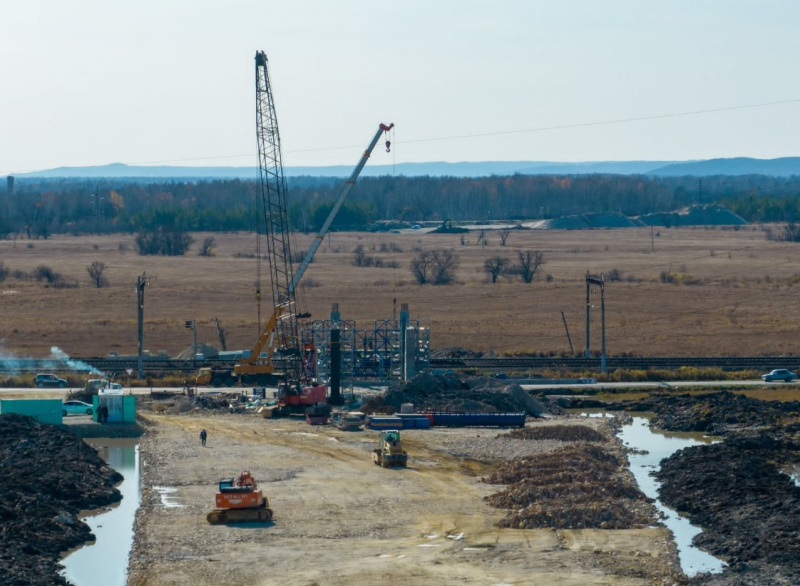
x=285, y=467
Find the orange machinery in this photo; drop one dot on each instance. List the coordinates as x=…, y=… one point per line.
x=240, y=501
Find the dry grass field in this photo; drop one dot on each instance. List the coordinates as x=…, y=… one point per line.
x=736, y=293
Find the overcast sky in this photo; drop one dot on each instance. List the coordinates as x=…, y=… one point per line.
x=91, y=82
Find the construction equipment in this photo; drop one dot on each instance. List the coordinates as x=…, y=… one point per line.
x=390, y=450
x=240, y=501
x=279, y=340
x=319, y=414
x=351, y=421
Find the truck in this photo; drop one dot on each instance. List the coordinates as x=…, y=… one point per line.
x=390, y=450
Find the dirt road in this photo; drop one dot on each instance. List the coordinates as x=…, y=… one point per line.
x=340, y=520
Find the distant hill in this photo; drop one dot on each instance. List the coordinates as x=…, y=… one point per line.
x=435, y=169
x=783, y=167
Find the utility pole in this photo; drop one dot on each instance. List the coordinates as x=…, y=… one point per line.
x=221, y=334
x=140, y=285
x=192, y=324
x=588, y=316
x=564, y=319
x=600, y=282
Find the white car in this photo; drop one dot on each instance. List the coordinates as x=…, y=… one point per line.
x=76, y=408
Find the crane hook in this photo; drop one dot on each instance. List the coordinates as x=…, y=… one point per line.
x=388, y=144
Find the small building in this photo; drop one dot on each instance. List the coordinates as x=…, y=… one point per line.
x=121, y=407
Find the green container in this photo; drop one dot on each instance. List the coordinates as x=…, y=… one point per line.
x=43, y=410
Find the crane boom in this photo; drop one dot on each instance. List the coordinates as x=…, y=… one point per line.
x=269, y=340
x=335, y=209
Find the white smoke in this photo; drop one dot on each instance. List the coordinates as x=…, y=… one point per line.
x=11, y=363
x=64, y=362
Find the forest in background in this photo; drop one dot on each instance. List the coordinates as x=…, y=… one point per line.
x=38, y=208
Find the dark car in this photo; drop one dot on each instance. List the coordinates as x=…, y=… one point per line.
x=49, y=380
x=786, y=376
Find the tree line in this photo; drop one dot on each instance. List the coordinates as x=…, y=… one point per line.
x=39, y=207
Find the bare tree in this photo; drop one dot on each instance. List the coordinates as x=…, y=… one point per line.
x=504, y=234
x=482, y=239
x=95, y=271
x=445, y=264
x=791, y=232
x=422, y=266
x=494, y=266
x=362, y=259
x=529, y=263
x=208, y=246
x=435, y=266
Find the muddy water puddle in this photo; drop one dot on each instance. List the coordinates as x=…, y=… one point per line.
x=105, y=562
x=650, y=447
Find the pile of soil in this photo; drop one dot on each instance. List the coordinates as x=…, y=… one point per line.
x=567, y=433
x=47, y=476
x=749, y=509
x=179, y=404
x=719, y=413
x=449, y=392
x=578, y=487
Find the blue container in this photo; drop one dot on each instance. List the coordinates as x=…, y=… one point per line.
x=444, y=419
x=384, y=422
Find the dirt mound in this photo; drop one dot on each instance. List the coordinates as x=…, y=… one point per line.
x=449, y=392
x=695, y=215
x=47, y=476
x=748, y=507
x=567, y=433
x=577, y=487
x=593, y=220
x=178, y=404
x=713, y=413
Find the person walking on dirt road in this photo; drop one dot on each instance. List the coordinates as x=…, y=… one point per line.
x=203, y=436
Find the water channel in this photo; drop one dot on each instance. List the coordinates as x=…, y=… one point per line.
x=652, y=447
x=105, y=562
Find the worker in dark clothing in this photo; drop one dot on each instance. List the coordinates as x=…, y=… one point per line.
x=203, y=436
x=105, y=413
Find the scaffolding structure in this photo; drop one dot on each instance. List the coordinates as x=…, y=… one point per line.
x=375, y=353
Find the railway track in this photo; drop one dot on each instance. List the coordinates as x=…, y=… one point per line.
x=160, y=365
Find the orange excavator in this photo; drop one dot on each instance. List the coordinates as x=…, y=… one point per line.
x=240, y=501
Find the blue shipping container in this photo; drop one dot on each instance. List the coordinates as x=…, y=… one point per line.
x=478, y=419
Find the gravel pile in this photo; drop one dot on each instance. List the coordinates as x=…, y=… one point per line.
x=449, y=392
x=581, y=485
x=567, y=433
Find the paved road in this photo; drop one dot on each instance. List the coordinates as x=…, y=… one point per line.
x=587, y=386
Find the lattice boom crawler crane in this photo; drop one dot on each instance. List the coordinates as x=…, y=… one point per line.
x=279, y=340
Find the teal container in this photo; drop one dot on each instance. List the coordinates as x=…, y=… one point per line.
x=121, y=408
x=43, y=410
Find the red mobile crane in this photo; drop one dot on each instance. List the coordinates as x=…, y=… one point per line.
x=279, y=339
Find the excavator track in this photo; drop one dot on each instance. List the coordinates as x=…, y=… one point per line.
x=260, y=514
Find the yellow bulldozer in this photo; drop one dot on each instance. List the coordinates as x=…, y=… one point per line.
x=390, y=450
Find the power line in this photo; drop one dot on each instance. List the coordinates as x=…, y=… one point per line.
x=495, y=133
